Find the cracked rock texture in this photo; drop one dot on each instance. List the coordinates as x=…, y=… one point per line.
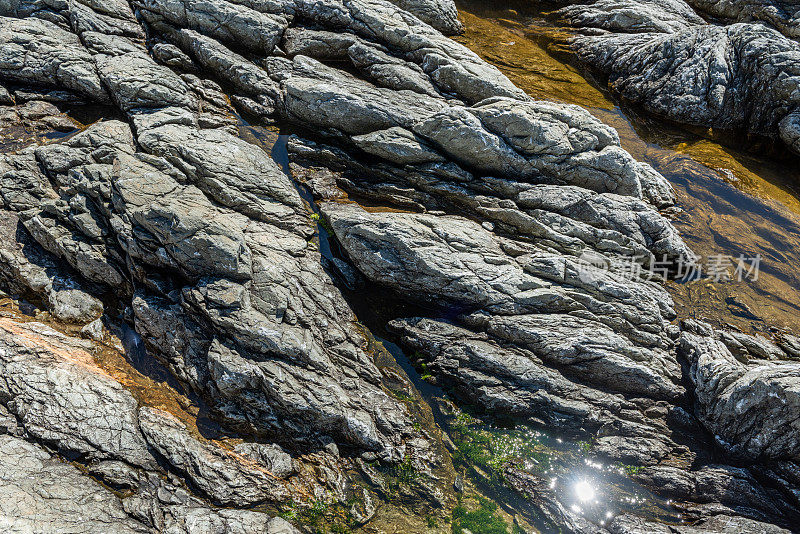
x=738, y=74
x=59, y=398
x=206, y=246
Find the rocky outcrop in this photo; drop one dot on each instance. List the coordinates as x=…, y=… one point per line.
x=524, y=331
x=43, y=490
x=531, y=307
x=740, y=77
x=38, y=52
x=744, y=76
x=782, y=15
x=50, y=385
x=441, y=14
x=631, y=16
x=750, y=409
x=225, y=477
x=59, y=397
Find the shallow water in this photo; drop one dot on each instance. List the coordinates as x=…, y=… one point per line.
x=733, y=200
x=732, y=203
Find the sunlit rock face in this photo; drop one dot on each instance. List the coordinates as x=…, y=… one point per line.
x=740, y=74
x=507, y=217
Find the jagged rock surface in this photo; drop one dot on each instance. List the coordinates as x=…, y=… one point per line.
x=59, y=397
x=206, y=240
x=665, y=57
x=750, y=409
x=783, y=15
x=742, y=76
x=632, y=16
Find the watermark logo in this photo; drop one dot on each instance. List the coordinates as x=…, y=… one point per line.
x=592, y=266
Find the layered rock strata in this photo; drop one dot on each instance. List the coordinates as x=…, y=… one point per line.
x=206, y=243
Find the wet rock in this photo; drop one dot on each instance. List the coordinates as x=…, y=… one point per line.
x=750, y=409
x=207, y=241
x=718, y=524
x=6, y=98
x=743, y=76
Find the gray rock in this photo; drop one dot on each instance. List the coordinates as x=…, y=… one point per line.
x=441, y=14
x=742, y=76
x=172, y=56
x=750, y=409
x=398, y=146
x=39, y=52
x=632, y=16
x=220, y=474
x=114, y=18
x=223, y=20
x=207, y=240
x=51, y=384
x=74, y=306
x=319, y=44
x=232, y=172
x=718, y=524
x=388, y=71
x=29, y=270
x=93, y=330
x=783, y=15
x=44, y=494
x=124, y=72
x=271, y=456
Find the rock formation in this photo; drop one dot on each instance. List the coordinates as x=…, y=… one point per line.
x=740, y=76
x=509, y=220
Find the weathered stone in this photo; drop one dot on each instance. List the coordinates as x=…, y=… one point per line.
x=236, y=24
x=441, y=14
x=51, y=384
x=42, y=492
x=742, y=76
x=632, y=16
x=750, y=409
x=39, y=52
x=224, y=477
x=783, y=15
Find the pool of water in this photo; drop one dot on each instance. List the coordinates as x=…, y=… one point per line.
x=734, y=200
